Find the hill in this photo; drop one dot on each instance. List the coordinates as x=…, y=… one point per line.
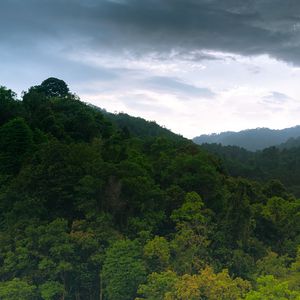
x=274, y=163
x=92, y=210
x=138, y=127
x=251, y=139
x=290, y=143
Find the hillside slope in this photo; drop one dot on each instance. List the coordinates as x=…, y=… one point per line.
x=88, y=211
x=273, y=163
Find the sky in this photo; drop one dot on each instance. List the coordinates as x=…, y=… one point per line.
x=193, y=66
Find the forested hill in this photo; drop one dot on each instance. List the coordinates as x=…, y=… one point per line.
x=251, y=139
x=290, y=143
x=92, y=210
x=137, y=126
x=279, y=163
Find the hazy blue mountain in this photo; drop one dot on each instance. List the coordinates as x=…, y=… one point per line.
x=251, y=139
x=290, y=143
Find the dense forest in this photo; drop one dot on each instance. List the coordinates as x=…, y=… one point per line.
x=274, y=163
x=252, y=139
x=93, y=207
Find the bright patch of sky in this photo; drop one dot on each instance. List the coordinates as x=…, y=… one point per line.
x=234, y=92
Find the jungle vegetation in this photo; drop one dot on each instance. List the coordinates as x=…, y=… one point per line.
x=93, y=207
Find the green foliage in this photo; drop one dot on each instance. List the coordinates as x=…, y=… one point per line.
x=265, y=165
x=273, y=264
x=53, y=87
x=158, y=285
x=99, y=206
x=293, y=276
x=15, y=143
x=190, y=212
x=123, y=270
x=10, y=107
x=205, y=285
x=140, y=127
x=51, y=290
x=157, y=253
x=238, y=216
x=17, y=289
x=269, y=288
x=190, y=243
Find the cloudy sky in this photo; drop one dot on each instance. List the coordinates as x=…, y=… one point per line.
x=194, y=66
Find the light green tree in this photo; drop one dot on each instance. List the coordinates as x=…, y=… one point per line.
x=208, y=285
x=123, y=270
x=17, y=289
x=190, y=243
x=158, y=285
x=157, y=253
x=270, y=288
x=51, y=290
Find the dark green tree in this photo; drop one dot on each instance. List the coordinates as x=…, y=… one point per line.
x=10, y=107
x=16, y=141
x=53, y=87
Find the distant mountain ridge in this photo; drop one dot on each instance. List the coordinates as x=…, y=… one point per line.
x=251, y=139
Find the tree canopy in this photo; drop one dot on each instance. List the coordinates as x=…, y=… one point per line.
x=93, y=207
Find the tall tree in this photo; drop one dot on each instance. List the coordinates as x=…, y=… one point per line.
x=123, y=270
x=53, y=87
x=16, y=141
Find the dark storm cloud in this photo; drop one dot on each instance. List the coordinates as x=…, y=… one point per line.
x=246, y=27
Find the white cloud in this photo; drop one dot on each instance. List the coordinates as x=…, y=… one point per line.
x=242, y=98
